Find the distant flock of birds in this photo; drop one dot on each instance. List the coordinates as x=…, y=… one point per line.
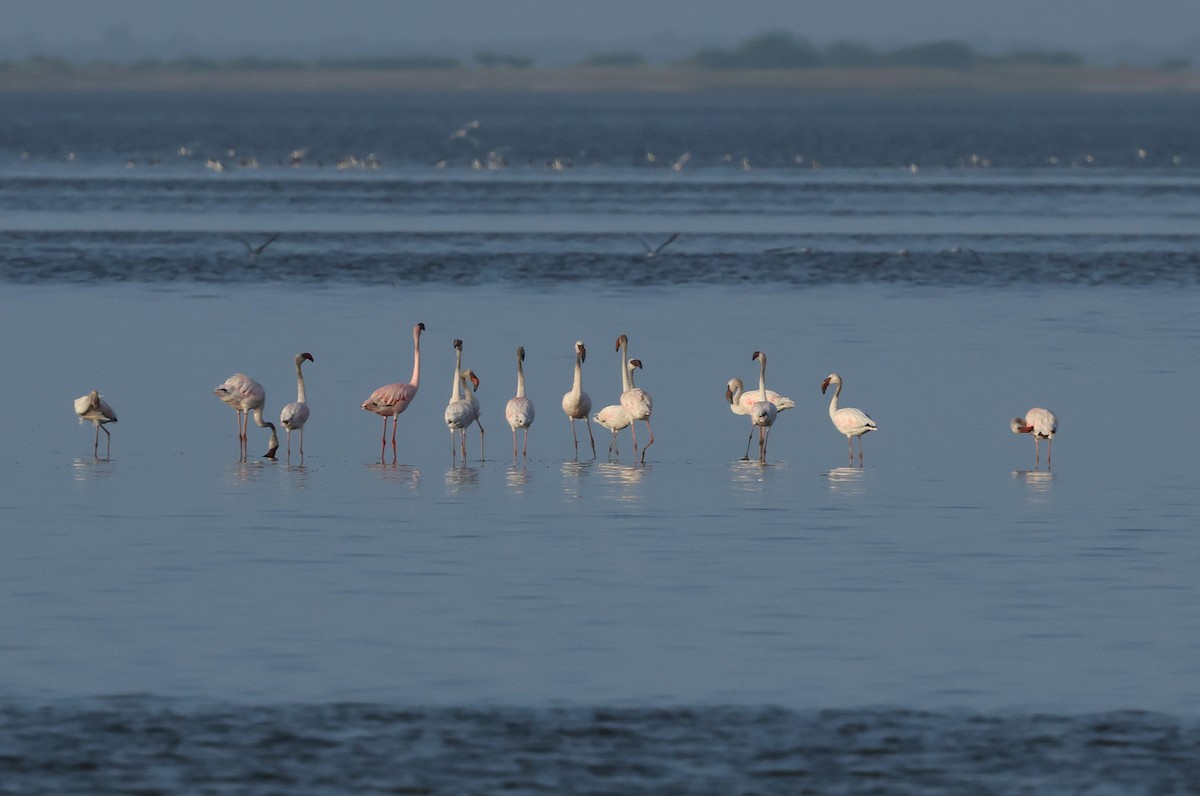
x=247, y=398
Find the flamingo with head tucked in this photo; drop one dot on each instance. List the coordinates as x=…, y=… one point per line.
x=636, y=401
x=849, y=421
x=392, y=399
x=247, y=397
x=293, y=416
x=95, y=410
x=577, y=403
x=1040, y=424
x=519, y=409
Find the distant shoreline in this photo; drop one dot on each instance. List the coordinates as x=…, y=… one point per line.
x=640, y=78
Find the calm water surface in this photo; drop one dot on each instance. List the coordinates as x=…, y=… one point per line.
x=743, y=627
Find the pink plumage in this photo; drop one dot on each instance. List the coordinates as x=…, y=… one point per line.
x=392, y=399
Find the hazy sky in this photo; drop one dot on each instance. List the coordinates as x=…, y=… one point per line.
x=1081, y=25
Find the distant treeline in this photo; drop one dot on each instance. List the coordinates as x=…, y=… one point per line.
x=775, y=50
x=782, y=50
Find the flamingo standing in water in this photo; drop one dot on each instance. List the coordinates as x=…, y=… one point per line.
x=470, y=386
x=392, y=399
x=519, y=409
x=246, y=397
x=740, y=402
x=614, y=417
x=635, y=400
x=849, y=421
x=576, y=403
x=93, y=408
x=1041, y=424
x=293, y=416
x=762, y=412
x=459, y=413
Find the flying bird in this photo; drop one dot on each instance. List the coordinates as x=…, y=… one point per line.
x=653, y=251
x=259, y=249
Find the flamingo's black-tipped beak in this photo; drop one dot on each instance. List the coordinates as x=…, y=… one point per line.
x=457, y=344
x=755, y=355
x=824, y=386
x=474, y=381
x=728, y=395
x=307, y=356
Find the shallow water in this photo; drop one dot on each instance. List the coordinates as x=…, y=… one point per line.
x=698, y=606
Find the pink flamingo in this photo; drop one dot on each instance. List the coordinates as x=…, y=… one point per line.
x=295, y=415
x=849, y=421
x=460, y=413
x=635, y=400
x=246, y=397
x=392, y=399
x=577, y=403
x=614, y=417
x=93, y=408
x=1042, y=424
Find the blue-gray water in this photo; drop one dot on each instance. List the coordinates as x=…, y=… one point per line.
x=945, y=619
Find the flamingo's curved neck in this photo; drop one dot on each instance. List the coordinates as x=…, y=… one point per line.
x=520, y=379
x=456, y=390
x=577, y=387
x=762, y=376
x=300, y=397
x=626, y=377
x=416, y=375
x=833, y=402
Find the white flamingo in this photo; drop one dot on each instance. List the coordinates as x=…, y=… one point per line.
x=519, y=409
x=614, y=417
x=1041, y=424
x=636, y=401
x=847, y=420
x=94, y=409
x=293, y=416
x=459, y=413
x=763, y=412
x=576, y=403
x=392, y=399
x=740, y=402
x=246, y=397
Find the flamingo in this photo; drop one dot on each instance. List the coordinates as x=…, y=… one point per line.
x=459, y=414
x=93, y=408
x=576, y=403
x=637, y=402
x=519, y=409
x=1042, y=424
x=614, y=417
x=392, y=399
x=470, y=386
x=851, y=422
x=763, y=412
x=740, y=402
x=295, y=415
x=246, y=397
